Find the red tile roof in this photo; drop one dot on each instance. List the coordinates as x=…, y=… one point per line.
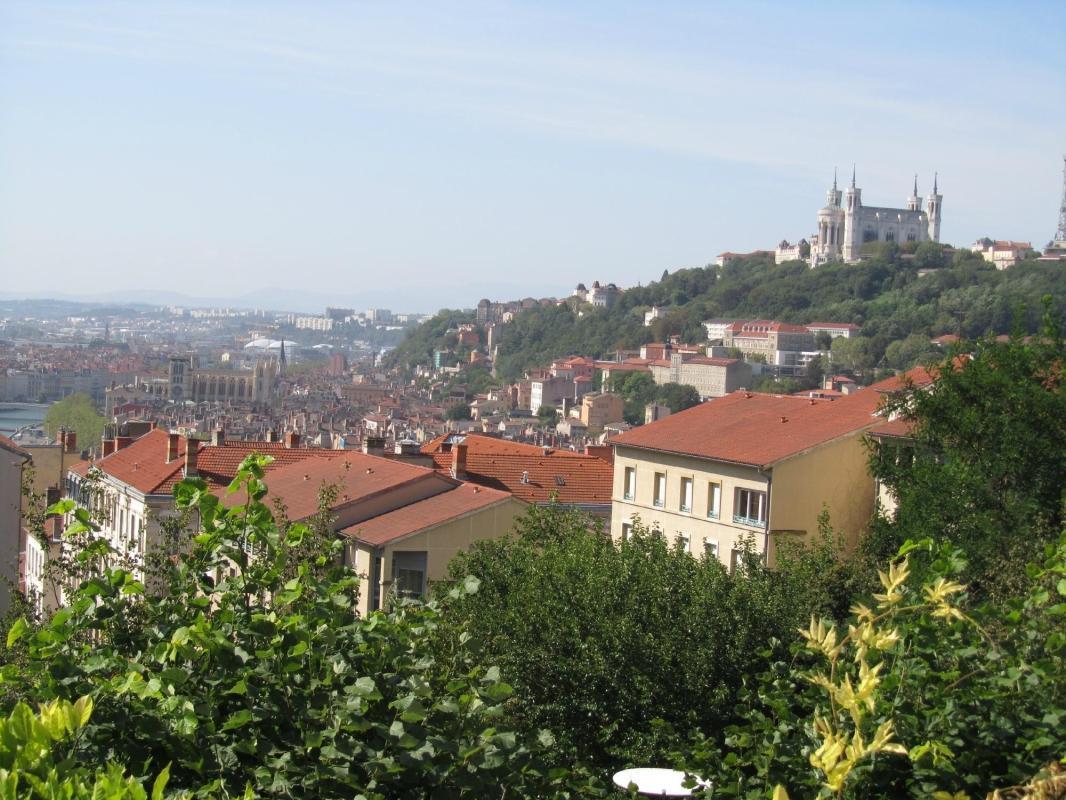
x=142, y=464
x=358, y=477
x=8, y=444
x=425, y=514
x=895, y=428
x=762, y=429
x=574, y=478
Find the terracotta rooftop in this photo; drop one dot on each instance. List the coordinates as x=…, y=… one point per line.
x=527, y=471
x=895, y=428
x=762, y=429
x=142, y=464
x=8, y=444
x=358, y=477
x=424, y=514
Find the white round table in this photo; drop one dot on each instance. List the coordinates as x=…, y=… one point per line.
x=655, y=782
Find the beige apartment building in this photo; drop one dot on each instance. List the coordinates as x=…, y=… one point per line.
x=766, y=338
x=711, y=377
x=600, y=409
x=401, y=523
x=749, y=466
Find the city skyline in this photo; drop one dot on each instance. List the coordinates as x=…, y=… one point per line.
x=430, y=151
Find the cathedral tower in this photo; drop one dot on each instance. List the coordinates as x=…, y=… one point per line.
x=932, y=209
x=852, y=234
x=914, y=202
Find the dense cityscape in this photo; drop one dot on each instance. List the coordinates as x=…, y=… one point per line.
x=785, y=521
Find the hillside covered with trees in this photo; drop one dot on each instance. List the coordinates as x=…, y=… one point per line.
x=898, y=308
x=885, y=295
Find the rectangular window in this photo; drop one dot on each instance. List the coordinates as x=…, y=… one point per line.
x=686, y=494
x=409, y=574
x=685, y=542
x=736, y=561
x=659, y=498
x=629, y=491
x=714, y=500
x=750, y=508
x=627, y=531
x=710, y=548
x=375, y=584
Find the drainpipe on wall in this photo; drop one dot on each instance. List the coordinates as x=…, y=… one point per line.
x=766, y=533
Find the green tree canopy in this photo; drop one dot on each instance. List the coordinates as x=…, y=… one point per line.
x=457, y=411
x=602, y=638
x=547, y=414
x=986, y=469
x=78, y=413
x=678, y=396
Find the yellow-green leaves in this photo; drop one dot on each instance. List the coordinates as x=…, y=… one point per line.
x=821, y=636
x=847, y=734
x=893, y=582
x=17, y=630
x=938, y=595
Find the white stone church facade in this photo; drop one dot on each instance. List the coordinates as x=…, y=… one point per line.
x=845, y=224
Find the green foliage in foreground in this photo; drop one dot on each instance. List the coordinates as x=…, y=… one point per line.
x=77, y=413
x=988, y=455
x=29, y=767
x=601, y=639
x=919, y=696
x=244, y=671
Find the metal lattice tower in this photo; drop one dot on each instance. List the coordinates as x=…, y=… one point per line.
x=1060, y=233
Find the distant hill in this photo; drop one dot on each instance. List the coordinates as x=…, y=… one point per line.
x=883, y=294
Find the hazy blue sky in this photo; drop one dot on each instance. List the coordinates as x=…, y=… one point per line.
x=455, y=150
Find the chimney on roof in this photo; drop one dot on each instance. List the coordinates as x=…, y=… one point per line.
x=459, y=450
x=70, y=442
x=107, y=446
x=218, y=437
x=61, y=436
x=191, y=453
x=374, y=445
x=172, y=446
x=123, y=441
x=292, y=440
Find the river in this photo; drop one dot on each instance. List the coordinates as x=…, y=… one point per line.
x=18, y=415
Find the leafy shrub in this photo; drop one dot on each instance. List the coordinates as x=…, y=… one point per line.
x=919, y=696
x=246, y=665
x=621, y=649
x=29, y=767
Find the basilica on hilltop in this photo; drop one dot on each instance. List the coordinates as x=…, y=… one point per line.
x=845, y=224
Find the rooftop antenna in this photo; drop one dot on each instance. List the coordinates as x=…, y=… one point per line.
x=1060, y=232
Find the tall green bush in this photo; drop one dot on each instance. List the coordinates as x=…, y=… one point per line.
x=243, y=665
x=621, y=649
